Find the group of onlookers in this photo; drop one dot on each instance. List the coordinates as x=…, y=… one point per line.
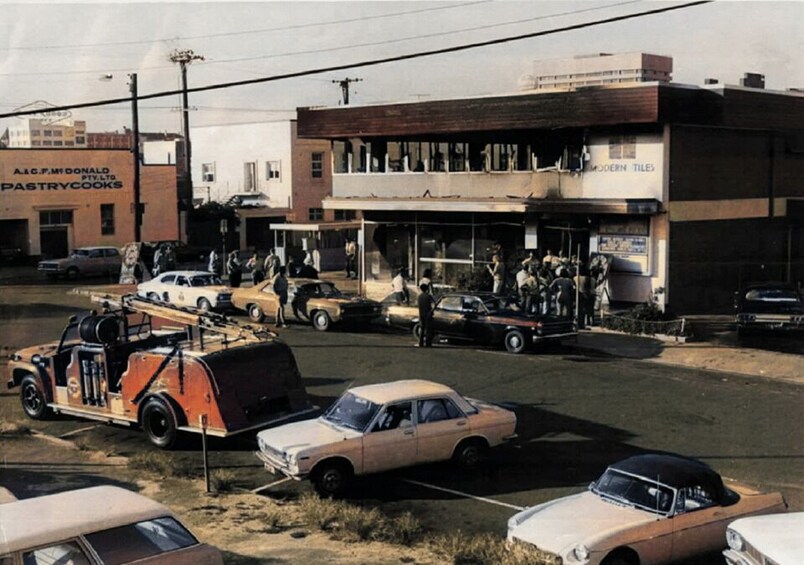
x=260, y=269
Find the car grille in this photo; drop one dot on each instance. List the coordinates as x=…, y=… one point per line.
x=225, y=298
x=756, y=555
x=550, y=327
x=359, y=310
x=48, y=267
x=272, y=453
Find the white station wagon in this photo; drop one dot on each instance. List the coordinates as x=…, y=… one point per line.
x=197, y=289
x=381, y=427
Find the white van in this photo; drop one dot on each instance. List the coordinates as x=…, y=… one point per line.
x=97, y=526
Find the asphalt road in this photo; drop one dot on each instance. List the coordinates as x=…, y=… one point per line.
x=576, y=414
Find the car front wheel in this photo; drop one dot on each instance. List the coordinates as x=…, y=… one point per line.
x=331, y=479
x=321, y=321
x=255, y=313
x=204, y=304
x=33, y=399
x=73, y=273
x=515, y=341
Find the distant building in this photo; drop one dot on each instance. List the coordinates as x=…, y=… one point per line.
x=109, y=139
x=596, y=70
x=36, y=132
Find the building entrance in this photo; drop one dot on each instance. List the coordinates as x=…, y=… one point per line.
x=54, y=242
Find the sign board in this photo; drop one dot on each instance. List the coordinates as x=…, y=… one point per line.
x=623, y=244
x=45, y=115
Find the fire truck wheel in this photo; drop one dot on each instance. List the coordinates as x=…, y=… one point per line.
x=33, y=399
x=159, y=422
x=255, y=313
x=321, y=321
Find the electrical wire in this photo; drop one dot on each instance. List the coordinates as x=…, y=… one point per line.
x=371, y=62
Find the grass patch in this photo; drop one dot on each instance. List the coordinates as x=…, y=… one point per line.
x=222, y=480
x=162, y=464
x=486, y=549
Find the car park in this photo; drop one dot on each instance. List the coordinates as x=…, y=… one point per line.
x=97, y=526
x=84, y=262
x=487, y=319
x=769, y=307
x=647, y=509
x=315, y=301
x=208, y=375
x=380, y=427
x=198, y=289
x=773, y=539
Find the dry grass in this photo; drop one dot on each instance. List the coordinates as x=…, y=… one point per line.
x=13, y=429
x=486, y=549
x=162, y=464
x=222, y=480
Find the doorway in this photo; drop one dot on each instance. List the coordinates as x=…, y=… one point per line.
x=54, y=242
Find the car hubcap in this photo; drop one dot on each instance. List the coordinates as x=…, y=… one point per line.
x=331, y=480
x=470, y=457
x=514, y=342
x=31, y=398
x=158, y=425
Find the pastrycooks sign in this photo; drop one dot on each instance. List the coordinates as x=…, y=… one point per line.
x=85, y=178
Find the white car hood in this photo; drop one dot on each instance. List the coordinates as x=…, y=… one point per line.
x=294, y=437
x=776, y=536
x=560, y=525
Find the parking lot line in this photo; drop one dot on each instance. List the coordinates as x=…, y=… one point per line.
x=464, y=494
x=269, y=485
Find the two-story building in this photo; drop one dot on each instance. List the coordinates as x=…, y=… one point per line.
x=690, y=190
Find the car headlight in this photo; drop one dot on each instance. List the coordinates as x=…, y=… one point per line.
x=735, y=540
x=580, y=552
x=16, y=357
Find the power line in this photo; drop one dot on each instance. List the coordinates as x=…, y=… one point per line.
x=373, y=62
x=252, y=32
x=343, y=47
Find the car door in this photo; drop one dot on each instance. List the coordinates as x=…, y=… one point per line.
x=700, y=523
x=476, y=325
x=440, y=425
x=112, y=260
x=448, y=319
x=181, y=293
x=391, y=442
x=268, y=301
x=95, y=263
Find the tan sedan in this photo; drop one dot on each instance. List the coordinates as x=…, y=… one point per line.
x=311, y=300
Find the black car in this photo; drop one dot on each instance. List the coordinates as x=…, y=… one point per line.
x=488, y=319
x=775, y=307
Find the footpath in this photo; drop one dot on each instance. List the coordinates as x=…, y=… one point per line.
x=715, y=347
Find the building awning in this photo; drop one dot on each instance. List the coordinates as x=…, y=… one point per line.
x=645, y=206
x=262, y=212
x=323, y=226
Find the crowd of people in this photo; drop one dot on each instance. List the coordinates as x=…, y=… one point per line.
x=261, y=269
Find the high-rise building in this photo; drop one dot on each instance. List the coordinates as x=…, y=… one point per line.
x=43, y=132
x=596, y=70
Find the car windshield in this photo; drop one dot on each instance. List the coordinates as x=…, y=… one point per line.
x=328, y=289
x=351, y=411
x=205, y=280
x=634, y=491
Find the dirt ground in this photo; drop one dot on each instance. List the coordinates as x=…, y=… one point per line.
x=247, y=527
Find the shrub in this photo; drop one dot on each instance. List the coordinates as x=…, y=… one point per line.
x=162, y=464
x=222, y=480
x=487, y=549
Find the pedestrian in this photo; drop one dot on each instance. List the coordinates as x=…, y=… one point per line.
x=351, y=254
x=271, y=264
x=427, y=278
x=497, y=270
x=214, y=264
x=255, y=266
x=170, y=257
x=564, y=289
x=521, y=286
x=160, y=261
x=584, y=290
x=400, y=287
x=234, y=269
x=530, y=262
x=280, y=286
x=547, y=260
x=426, y=305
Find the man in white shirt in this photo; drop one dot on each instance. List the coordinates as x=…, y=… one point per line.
x=400, y=287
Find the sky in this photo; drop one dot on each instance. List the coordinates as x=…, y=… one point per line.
x=65, y=53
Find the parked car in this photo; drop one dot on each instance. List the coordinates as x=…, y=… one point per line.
x=381, y=427
x=774, y=307
x=647, y=509
x=84, y=262
x=208, y=374
x=483, y=318
x=315, y=301
x=198, y=289
x=97, y=526
x=775, y=539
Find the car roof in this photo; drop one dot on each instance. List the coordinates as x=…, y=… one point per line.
x=55, y=517
x=185, y=273
x=672, y=470
x=400, y=390
x=91, y=247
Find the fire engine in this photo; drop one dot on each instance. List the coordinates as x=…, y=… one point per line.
x=127, y=365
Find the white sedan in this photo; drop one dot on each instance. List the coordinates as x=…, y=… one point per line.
x=380, y=427
x=762, y=540
x=197, y=289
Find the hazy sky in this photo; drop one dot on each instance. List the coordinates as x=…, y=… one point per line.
x=57, y=52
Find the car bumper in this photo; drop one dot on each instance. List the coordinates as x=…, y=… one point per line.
x=276, y=466
x=538, y=338
x=739, y=558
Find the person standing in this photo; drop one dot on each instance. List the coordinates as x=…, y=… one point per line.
x=255, y=266
x=565, y=295
x=427, y=278
x=400, y=287
x=170, y=257
x=160, y=261
x=351, y=255
x=214, y=265
x=280, y=286
x=234, y=269
x=426, y=305
x=497, y=270
x=522, y=287
x=271, y=264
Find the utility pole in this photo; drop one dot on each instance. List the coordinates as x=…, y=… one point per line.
x=135, y=151
x=184, y=57
x=344, y=84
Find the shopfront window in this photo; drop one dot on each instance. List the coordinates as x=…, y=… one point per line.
x=389, y=247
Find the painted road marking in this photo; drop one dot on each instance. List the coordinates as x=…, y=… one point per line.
x=464, y=494
x=269, y=485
